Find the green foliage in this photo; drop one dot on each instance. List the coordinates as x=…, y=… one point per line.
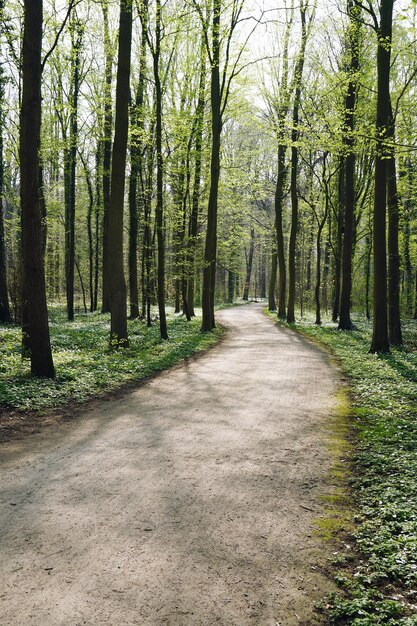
x=86, y=366
x=380, y=585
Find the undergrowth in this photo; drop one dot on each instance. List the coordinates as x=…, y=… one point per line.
x=378, y=579
x=85, y=366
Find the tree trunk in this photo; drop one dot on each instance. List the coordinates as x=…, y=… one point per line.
x=118, y=300
x=407, y=212
x=249, y=263
x=338, y=243
x=71, y=164
x=345, y=323
x=90, y=235
x=34, y=291
x=209, y=272
x=107, y=153
x=394, y=315
x=159, y=179
x=195, y=204
x=279, y=201
x=272, y=305
x=380, y=342
x=5, y=315
x=294, y=169
x=368, y=275
x=136, y=166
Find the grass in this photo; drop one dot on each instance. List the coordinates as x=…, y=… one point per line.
x=85, y=366
x=378, y=578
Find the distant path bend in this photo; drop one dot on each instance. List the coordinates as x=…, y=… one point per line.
x=187, y=502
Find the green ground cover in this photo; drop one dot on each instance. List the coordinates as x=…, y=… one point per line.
x=377, y=570
x=85, y=366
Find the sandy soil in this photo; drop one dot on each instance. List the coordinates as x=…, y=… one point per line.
x=190, y=501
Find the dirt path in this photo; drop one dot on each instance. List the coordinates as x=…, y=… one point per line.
x=187, y=502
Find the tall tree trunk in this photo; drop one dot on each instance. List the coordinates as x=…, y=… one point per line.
x=133, y=216
x=136, y=165
x=107, y=153
x=321, y=225
x=210, y=250
x=380, y=341
x=118, y=299
x=279, y=201
x=368, y=256
x=282, y=173
x=345, y=322
x=272, y=305
x=5, y=315
x=34, y=291
x=195, y=203
x=90, y=234
x=339, y=242
x=294, y=168
x=159, y=178
x=407, y=212
x=97, y=216
x=249, y=264
x=394, y=315
x=71, y=164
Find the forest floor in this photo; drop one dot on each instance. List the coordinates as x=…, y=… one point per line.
x=192, y=500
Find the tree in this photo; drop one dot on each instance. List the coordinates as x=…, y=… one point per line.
x=34, y=293
x=156, y=54
x=5, y=315
x=380, y=341
x=279, y=108
x=107, y=152
x=118, y=296
x=136, y=168
x=70, y=163
x=294, y=164
x=345, y=322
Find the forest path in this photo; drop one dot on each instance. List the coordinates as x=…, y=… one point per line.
x=187, y=502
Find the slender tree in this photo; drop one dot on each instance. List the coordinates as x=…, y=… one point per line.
x=394, y=313
x=345, y=322
x=107, y=153
x=136, y=167
x=155, y=47
x=5, y=315
x=380, y=341
x=118, y=296
x=70, y=165
x=36, y=326
x=198, y=148
x=295, y=132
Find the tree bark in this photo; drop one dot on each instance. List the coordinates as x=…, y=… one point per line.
x=345, y=322
x=136, y=166
x=394, y=315
x=34, y=291
x=249, y=264
x=380, y=341
x=159, y=178
x=107, y=154
x=195, y=204
x=118, y=296
x=272, y=305
x=278, y=202
x=5, y=315
x=210, y=250
x=294, y=168
x=71, y=164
